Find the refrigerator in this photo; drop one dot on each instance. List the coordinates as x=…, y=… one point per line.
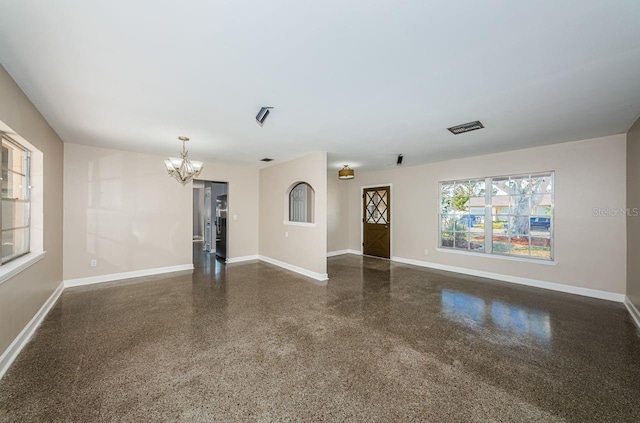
x=221, y=226
x=209, y=235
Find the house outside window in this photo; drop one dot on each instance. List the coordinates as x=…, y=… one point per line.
x=506, y=215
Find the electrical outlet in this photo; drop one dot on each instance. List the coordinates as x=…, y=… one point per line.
x=94, y=263
x=426, y=252
x=286, y=234
x=235, y=217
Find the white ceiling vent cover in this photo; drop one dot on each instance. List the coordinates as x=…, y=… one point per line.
x=466, y=127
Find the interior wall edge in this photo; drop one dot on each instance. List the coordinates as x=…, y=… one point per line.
x=322, y=277
x=241, y=259
x=13, y=350
x=633, y=216
x=633, y=311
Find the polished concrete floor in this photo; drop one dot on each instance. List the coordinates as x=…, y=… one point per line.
x=382, y=342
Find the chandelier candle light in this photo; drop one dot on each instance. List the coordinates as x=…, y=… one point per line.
x=183, y=169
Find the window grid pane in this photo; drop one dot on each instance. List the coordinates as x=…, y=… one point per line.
x=301, y=203
x=521, y=209
x=15, y=243
x=15, y=200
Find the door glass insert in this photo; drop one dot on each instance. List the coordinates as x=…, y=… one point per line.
x=376, y=207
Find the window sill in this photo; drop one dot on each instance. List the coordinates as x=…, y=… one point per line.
x=16, y=266
x=499, y=257
x=306, y=224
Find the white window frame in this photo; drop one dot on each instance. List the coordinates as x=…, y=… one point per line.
x=488, y=217
x=26, y=200
x=308, y=206
x=36, y=224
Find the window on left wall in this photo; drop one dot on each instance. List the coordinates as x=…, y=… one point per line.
x=15, y=201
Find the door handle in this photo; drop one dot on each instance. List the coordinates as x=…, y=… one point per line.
x=386, y=227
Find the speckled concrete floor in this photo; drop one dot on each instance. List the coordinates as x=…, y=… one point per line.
x=382, y=342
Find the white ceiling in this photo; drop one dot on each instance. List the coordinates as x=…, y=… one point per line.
x=363, y=80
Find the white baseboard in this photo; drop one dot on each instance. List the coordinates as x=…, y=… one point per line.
x=242, y=258
x=633, y=311
x=587, y=292
x=337, y=253
x=341, y=252
x=305, y=272
x=126, y=275
x=10, y=354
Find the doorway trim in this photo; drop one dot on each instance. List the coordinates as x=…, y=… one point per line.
x=229, y=216
x=362, y=188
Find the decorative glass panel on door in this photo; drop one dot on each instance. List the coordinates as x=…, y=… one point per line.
x=376, y=207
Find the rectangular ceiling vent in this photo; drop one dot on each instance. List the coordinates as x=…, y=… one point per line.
x=266, y=159
x=466, y=127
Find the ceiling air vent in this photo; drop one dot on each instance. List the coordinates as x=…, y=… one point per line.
x=466, y=127
x=266, y=159
x=262, y=115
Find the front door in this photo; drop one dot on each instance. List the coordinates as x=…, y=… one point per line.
x=376, y=232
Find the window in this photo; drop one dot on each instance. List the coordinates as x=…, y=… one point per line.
x=301, y=203
x=507, y=215
x=15, y=200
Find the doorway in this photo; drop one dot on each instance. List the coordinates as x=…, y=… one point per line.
x=376, y=221
x=210, y=224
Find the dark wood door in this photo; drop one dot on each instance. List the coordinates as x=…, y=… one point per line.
x=376, y=222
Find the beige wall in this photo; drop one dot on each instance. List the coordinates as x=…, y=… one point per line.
x=305, y=247
x=337, y=213
x=590, y=250
x=22, y=295
x=243, y=203
x=633, y=220
x=122, y=209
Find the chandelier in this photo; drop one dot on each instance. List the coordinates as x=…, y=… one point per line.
x=183, y=169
